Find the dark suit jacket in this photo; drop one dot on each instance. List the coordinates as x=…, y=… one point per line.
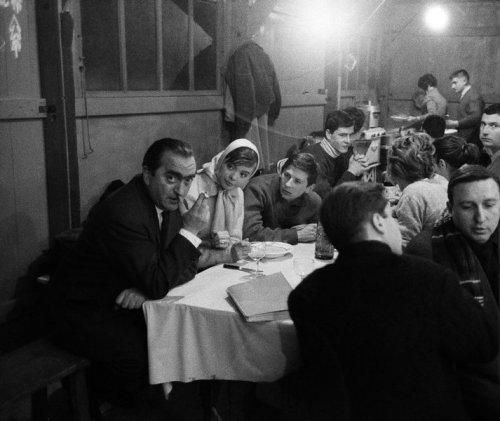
x=470, y=111
x=120, y=247
x=393, y=327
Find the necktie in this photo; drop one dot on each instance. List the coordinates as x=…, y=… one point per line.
x=164, y=225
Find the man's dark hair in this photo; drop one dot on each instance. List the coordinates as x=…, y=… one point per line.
x=434, y=125
x=469, y=174
x=460, y=73
x=336, y=119
x=427, y=80
x=346, y=209
x=304, y=162
x=242, y=156
x=154, y=154
x=358, y=116
x=455, y=151
x=492, y=109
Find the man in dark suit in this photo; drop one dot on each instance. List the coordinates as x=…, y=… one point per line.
x=470, y=108
x=135, y=246
x=379, y=332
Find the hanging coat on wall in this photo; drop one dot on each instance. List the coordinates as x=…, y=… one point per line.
x=254, y=87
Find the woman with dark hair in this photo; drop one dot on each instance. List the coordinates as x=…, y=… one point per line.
x=223, y=180
x=434, y=103
x=452, y=152
x=410, y=165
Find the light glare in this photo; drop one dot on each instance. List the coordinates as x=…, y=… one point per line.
x=436, y=18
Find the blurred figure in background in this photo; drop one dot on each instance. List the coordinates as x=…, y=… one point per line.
x=470, y=108
x=434, y=103
x=434, y=126
x=451, y=152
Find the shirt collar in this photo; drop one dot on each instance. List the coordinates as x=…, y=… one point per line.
x=466, y=89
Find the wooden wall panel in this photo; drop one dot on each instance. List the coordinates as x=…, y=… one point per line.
x=119, y=144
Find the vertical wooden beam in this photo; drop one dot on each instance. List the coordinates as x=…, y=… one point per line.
x=159, y=44
x=191, y=43
x=123, y=47
x=52, y=81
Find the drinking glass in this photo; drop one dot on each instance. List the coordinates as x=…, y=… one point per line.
x=303, y=266
x=257, y=252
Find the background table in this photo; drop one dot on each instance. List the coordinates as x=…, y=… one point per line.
x=201, y=336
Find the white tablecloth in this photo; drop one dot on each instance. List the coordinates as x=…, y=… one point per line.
x=201, y=336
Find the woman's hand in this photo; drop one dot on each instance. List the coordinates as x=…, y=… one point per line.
x=240, y=251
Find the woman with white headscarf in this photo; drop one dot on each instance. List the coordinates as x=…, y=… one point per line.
x=223, y=180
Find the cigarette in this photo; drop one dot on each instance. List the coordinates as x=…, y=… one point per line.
x=206, y=194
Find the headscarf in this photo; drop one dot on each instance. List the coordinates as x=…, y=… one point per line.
x=229, y=207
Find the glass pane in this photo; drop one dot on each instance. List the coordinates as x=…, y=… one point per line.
x=205, y=48
x=175, y=45
x=101, y=45
x=140, y=32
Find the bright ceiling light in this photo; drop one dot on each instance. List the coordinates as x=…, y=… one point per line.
x=436, y=18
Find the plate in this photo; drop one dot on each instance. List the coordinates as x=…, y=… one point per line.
x=275, y=249
x=399, y=118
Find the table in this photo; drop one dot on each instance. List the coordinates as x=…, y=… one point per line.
x=194, y=333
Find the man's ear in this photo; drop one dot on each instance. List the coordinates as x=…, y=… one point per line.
x=449, y=206
x=146, y=174
x=328, y=134
x=378, y=223
x=310, y=188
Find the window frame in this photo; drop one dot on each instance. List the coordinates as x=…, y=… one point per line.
x=111, y=102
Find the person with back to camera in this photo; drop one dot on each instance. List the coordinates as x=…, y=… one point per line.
x=451, y=153
x=434, y=126
x=434, y=102
x=223, y=180
x=379, y=332
x=410, y=165
x=334, y=156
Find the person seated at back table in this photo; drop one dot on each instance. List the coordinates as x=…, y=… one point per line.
x=380, y=333
x=434, y=126
x=283, y=207
x=223, y=180
x=336, y=162
x=135, y=246
x=465, y=240
x=410, y=165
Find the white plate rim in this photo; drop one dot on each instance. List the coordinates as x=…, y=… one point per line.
x=287, y=248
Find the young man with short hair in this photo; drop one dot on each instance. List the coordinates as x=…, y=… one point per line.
x=336, y=162
x=380, y=333
x=283, y=207
x=490, y=136
x=470, y=108
x=465, y=240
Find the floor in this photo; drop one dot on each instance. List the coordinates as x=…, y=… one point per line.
x=236, y=401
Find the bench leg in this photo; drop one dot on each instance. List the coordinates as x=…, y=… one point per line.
x=40, y=406
x=78, y=396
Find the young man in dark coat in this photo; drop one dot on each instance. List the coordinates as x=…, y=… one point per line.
x=135, y=246
x=465, y=240
x=380, y=333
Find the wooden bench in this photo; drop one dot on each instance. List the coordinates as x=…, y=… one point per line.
x=29, y=370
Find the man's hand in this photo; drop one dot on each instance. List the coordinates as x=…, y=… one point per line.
x=240, y=251
x=358, y=164
x=196, y=218
x=451, y=124
x=307, y=233
x=130, y=298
